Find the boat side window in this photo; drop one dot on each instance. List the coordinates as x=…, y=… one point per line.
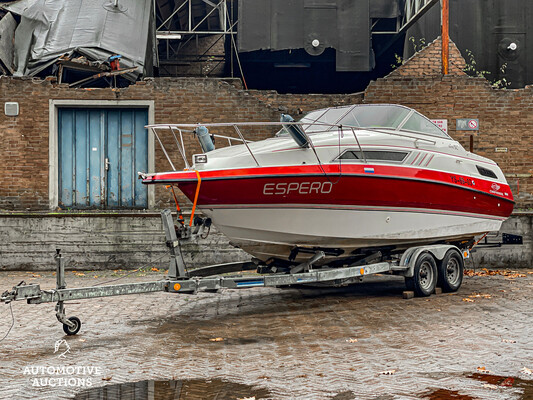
x=418, y=123
x=486, y=172
x=375, y=155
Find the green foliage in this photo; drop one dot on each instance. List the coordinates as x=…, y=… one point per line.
x=471, y=69
x=416, y=47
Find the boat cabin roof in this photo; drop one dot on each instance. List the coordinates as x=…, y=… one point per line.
x=372, y=116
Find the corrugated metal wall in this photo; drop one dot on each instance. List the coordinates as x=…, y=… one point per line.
x=100, y=152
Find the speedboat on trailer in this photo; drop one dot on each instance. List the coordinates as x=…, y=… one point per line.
x=343, y=180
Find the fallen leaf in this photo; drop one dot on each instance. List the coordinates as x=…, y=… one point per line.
x=480, y=296
x=508, y=382
x=508, y=341
x=490, y=386
x=82, y=340
x=155, y=269
x=36, y=275
x=246, y=398
x=487, y=272
x=526, y=371
x=389, y=372
x=107, y=378
x=351, y=340
x=483, y=370
x=468, y=300
x=79, y=274
x=217, y=339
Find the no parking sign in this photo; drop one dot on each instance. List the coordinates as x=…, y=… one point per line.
x=467, y=124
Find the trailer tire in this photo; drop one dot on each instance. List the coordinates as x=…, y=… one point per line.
x=450, y=271
x=75, y=329
x=424, y=277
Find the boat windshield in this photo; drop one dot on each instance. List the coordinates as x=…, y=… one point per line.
x=384, y=116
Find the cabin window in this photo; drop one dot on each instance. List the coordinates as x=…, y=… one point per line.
x=375, y=155
x=486, y=172
x=418, y=123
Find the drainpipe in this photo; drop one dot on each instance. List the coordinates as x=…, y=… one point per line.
x=445, y=35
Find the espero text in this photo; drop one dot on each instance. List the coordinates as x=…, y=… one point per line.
x=297, y=187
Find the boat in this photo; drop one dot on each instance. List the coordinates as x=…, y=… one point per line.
x=342, y=180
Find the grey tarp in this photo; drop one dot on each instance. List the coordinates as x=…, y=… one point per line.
x=293, y=24
x=93, y=28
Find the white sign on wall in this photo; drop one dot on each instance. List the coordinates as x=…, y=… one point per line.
x=442, y=124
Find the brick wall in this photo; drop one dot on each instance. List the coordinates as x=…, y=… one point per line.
x=24, y=151
x=506, y=117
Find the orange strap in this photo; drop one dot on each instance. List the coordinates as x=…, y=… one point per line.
x=195, y=196
x=178, y=209
x=480, y=239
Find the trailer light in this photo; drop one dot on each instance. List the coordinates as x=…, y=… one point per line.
x=200, y=158
x=362, y=271
x=177, y=287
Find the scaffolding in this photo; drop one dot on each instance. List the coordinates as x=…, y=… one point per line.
x=192, y=35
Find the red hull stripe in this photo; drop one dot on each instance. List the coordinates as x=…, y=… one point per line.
x=389, y=186
x=332, y=177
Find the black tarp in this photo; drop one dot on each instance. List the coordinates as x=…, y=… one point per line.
x=386, y=8
x=294, y=24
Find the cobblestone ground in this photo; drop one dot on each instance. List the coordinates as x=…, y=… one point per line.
x=283, y=343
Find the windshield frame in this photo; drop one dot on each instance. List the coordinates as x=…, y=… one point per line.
x=398, y=128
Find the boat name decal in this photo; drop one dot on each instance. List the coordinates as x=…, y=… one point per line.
x=297, y=187
x=463, y=181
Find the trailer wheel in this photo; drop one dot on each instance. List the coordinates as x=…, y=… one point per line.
x=450, y=271
x=424, y=277
x=75, y=329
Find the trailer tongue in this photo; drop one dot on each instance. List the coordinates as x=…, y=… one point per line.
x=422, y=266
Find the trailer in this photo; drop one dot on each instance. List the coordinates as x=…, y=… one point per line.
x=424, y=267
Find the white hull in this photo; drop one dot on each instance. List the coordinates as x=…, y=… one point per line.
x=267, y=232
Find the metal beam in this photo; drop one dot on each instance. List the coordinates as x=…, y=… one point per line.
x=413, y=11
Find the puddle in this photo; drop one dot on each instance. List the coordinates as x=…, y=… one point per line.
x=445, y=394
x=493, y=382
x=193, y=389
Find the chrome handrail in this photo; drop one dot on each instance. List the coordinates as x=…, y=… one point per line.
x=235, y=125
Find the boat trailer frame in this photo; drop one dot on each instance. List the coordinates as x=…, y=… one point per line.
x=179, y=280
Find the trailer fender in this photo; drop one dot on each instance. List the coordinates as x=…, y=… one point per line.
x=410, y=256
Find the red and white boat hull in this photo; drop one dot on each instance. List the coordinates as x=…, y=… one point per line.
x=267, y=211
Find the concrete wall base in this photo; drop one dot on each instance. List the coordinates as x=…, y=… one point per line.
x=100, y=241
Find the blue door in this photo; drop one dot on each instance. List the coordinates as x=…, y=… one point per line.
x=100, y=152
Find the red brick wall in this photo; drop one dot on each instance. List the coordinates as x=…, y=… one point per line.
x=24, y=139
x=506, y=116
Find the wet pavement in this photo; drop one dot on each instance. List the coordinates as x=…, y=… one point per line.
x=360, y=342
